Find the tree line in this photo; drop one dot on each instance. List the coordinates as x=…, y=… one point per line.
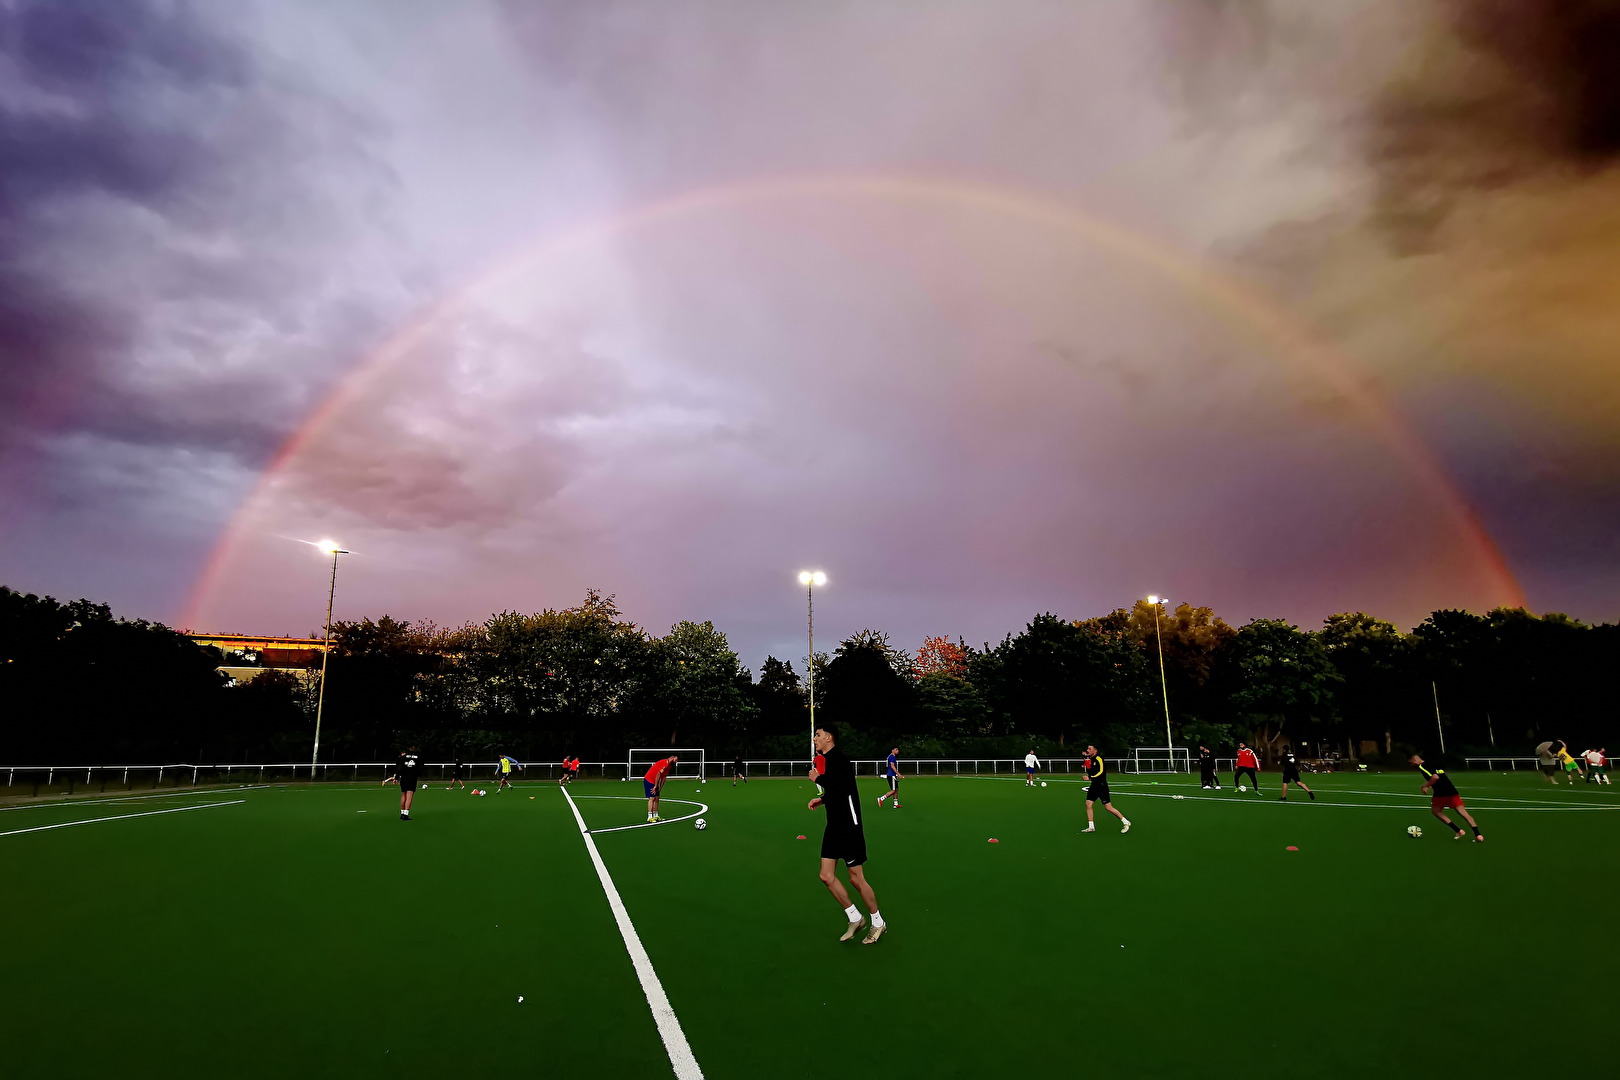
x=82, y=686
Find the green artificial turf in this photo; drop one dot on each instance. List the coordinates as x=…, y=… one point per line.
x=291, y=933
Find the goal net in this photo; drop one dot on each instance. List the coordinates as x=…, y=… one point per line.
x=690, y=767
x=1157, y=759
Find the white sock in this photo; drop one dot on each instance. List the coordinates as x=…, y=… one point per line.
x=852, y=913
x=877, y=920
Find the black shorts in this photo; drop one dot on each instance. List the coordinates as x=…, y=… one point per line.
x=1291, y=776
x=847, y=842
x=1098, y=791
x=407, y=785
x=894, y=783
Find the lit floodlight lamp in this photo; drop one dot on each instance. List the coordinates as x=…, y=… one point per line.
x=812, y=577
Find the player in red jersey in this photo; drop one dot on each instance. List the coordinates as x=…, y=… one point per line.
x=1247, y=762
x=1443, y=796
x=653, y=783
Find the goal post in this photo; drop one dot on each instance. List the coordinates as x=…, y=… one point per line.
x=692, y=766
x=1160, y=759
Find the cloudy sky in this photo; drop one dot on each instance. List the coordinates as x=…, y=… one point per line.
x=986, y=309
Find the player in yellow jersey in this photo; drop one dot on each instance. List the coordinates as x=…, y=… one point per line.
x=1098, y=791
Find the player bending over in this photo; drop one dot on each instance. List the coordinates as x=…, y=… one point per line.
x=503, y=772
x=891, y=772
x=1597, y=765
x=405, y=773
x=1290, y=765
x=844, y=838
x=1206, y=769
x=1443, y=796
x=1031, y=763
x=653, y=784
x=1092, y=765
x=1247, y=763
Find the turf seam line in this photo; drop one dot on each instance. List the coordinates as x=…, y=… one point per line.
x=97, y=800
x=120, y=817
x=669, y=1026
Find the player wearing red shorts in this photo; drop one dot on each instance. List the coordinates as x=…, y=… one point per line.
x=1443, y=796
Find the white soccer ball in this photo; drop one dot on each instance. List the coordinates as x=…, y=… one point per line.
x=700, y=824
x=1413, y=831
x=1242, y=788
x=1043, y=783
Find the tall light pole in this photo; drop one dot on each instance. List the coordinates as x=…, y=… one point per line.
x=810, y=579
x=1164, y=689
x=326, y=654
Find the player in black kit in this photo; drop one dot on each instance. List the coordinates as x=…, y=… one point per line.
x=1206, y=769
x=405, y=775
x=457, y=774
x=1290, y=765
x=844, y=838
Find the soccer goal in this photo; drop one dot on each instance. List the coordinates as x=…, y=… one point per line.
x=690, y=767
x=1157, y=759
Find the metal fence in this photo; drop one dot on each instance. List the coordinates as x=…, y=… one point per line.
x=33, y=780
x=39, y=780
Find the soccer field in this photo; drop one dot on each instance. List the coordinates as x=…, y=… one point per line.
x=268, y=931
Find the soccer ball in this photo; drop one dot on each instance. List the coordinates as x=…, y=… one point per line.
x=700, y=824
x=478, y=791
x=1242, y=787
x=1043, y=783
x=1413, y=831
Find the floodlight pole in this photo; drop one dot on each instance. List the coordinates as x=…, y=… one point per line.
x=810, y=579
x=1164, y=689
x=326, y=654
x=810, y=602
x=1435, y=690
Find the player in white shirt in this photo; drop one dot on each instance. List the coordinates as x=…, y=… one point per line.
x=1597, y=766
x=1031, y=763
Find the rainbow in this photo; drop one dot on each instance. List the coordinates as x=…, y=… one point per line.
x=1230, y=298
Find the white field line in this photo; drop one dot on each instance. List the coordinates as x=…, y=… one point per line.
x=1247, y=799
x=669, y=1026
x=702, y=808
x=99, y=801
x=121, y=817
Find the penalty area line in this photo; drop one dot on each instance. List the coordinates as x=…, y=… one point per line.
x=669, y=1026
x=121, y=817
x=702, y=808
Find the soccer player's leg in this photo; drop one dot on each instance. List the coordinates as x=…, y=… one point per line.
x=857, y=878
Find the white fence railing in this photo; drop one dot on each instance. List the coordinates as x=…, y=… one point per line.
x=67, y=779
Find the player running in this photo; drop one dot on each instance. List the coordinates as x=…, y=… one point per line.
x=891, y=772
x=405, y=774
x=653, y=784
x=844, y=838
x=457, y=772
x=739, y=771
x=1092, y=766
x=1206, y=770
x=503, y=772
x=1031, y=763
x=1443, y=797
x=1597, y=765
x=1290, y=765
x=1246, y=762
x=1568, y=761
x=570, y=769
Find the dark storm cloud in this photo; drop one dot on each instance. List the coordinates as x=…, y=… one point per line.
x=162, y=201
x=1476, y=271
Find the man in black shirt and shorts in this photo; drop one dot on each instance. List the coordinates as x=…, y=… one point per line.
x=1290, y=765
x=405, y=774
x=1206, y=769
x=844, y=838
x=458, y=773
x=1098, y=791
